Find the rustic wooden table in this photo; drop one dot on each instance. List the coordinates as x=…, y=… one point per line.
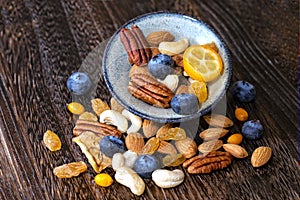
x=42, y=42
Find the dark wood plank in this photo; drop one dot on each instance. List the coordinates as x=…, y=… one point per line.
x=43, y=42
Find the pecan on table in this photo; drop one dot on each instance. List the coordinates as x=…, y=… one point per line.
x=149, y=90
x=135, y=45
x=98, y=128
x=203, y=164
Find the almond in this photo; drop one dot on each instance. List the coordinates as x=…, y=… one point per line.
x=134, y=142
x=261, y=156
x=213, y=133
x=235, y=150
x=157, y=37
x=187, y=147
x=150, y=128
x=209, y=146
x=166, y=148
x=218, y=120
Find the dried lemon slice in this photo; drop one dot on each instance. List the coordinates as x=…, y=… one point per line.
x=202, y=63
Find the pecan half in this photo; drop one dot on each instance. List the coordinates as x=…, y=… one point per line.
x=98, y=128
x=205, y=164
x=135, y=45
x=149, y=90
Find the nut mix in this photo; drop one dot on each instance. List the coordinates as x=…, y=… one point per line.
x=144, y=139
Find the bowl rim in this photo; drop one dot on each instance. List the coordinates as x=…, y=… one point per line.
x=159, y=119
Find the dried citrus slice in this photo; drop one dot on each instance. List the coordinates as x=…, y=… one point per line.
x=202, y=63
x=200, y=90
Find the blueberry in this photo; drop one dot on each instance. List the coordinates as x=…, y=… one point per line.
x=144, y=165
x=252, y=129
x=160, y=66
x=185, y=104
x=243, y=91
x=79, y=83
x=109, y=145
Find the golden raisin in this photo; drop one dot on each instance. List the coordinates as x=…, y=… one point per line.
x=88, y=116
x=200, y=90
x=70, y=170
x=173, y=160
x=151, y=146
x=51, y=141
x=235, y=139
x=103, y=180
x=76, y=108
x=241, y=114
x=172, y=134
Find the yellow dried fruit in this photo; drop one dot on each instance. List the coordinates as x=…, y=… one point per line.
x=172, y=134
x=200, y=90
x=103, y=180
x=173, y=160
x=99, y=106
x=76, y=108
x=235, y=139
x=241, y=114
x=52, y=141
x=70, y=170
x=88, y=117
x=151, y=146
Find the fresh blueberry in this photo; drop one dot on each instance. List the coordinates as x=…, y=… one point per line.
x=144, y=165
x=79, y=83
x=243, y=91
x=252, y=129
x=160, y=66
x=109, y=145
x=185, y=104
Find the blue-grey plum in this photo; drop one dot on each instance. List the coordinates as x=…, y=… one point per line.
x=161, y=65
x=185, y=104
x=144, y=165
x=109, y=145
x=243, y=91
x=79, y=83
x=252, y=129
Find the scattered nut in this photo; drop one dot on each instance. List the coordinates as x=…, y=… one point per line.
x=171, y=81
x=261, y=156
x=157, y=37
x=173, y=48
x=209, y=146
x=99, y=106
x=187, y=147
x=235, y=150
x=88, y=117
x=167, y=178
x=129, y=178
x=150, y=128
x=213, y=133
x=116, y=106
x=117, y=161
x=115, y=118
x=136, y=121
x=182, y=89
x=218, y=120
x=134, y=142
x=130, y=158
x=166, y=148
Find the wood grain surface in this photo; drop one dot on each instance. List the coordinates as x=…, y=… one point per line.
x=42, y=42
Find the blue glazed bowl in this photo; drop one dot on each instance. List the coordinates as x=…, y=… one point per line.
x=115, y=65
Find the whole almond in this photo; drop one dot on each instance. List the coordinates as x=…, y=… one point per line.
x=157, y=37
x=213, y=133
x=261, y=156
x=134, y=142
x=182, y=89
x=166, y=148
x=150, y=128
x=218, y=120
x=209, y=146
x=235, y=150
x=187, y=147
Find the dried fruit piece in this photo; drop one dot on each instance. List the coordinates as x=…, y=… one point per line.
x=134, y=142
x=166, y=148
x=235, y=150
x=211, y=45
x=236, y=138
x=115, y=105
x=218, y=120
x=76, y=108
x=209, y=146
x=52, y=141
x=103, y=180
x=151, y=146
x=182, y=89
x=213, y=133
x=173, y=160
x=261, y=156
x=89, y=145
x=70, y=170
x=99, y=106
x=178, y=60
x=172, y=134
x=241, y=114
x=88, y=117
x=164, y=129
x=200, y=90
x=187, y=147
x=150, y=128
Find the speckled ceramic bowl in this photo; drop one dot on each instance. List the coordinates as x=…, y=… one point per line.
x=115, y=65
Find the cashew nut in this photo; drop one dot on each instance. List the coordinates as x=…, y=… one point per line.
x=173, y=48
x=118, y=161
x=115, y=118
x=129, y=178
x=166, y=178
x=130, y=157
x=171, y=81
x=136, y=121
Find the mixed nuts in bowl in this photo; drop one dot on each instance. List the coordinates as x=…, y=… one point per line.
x=166, y=67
